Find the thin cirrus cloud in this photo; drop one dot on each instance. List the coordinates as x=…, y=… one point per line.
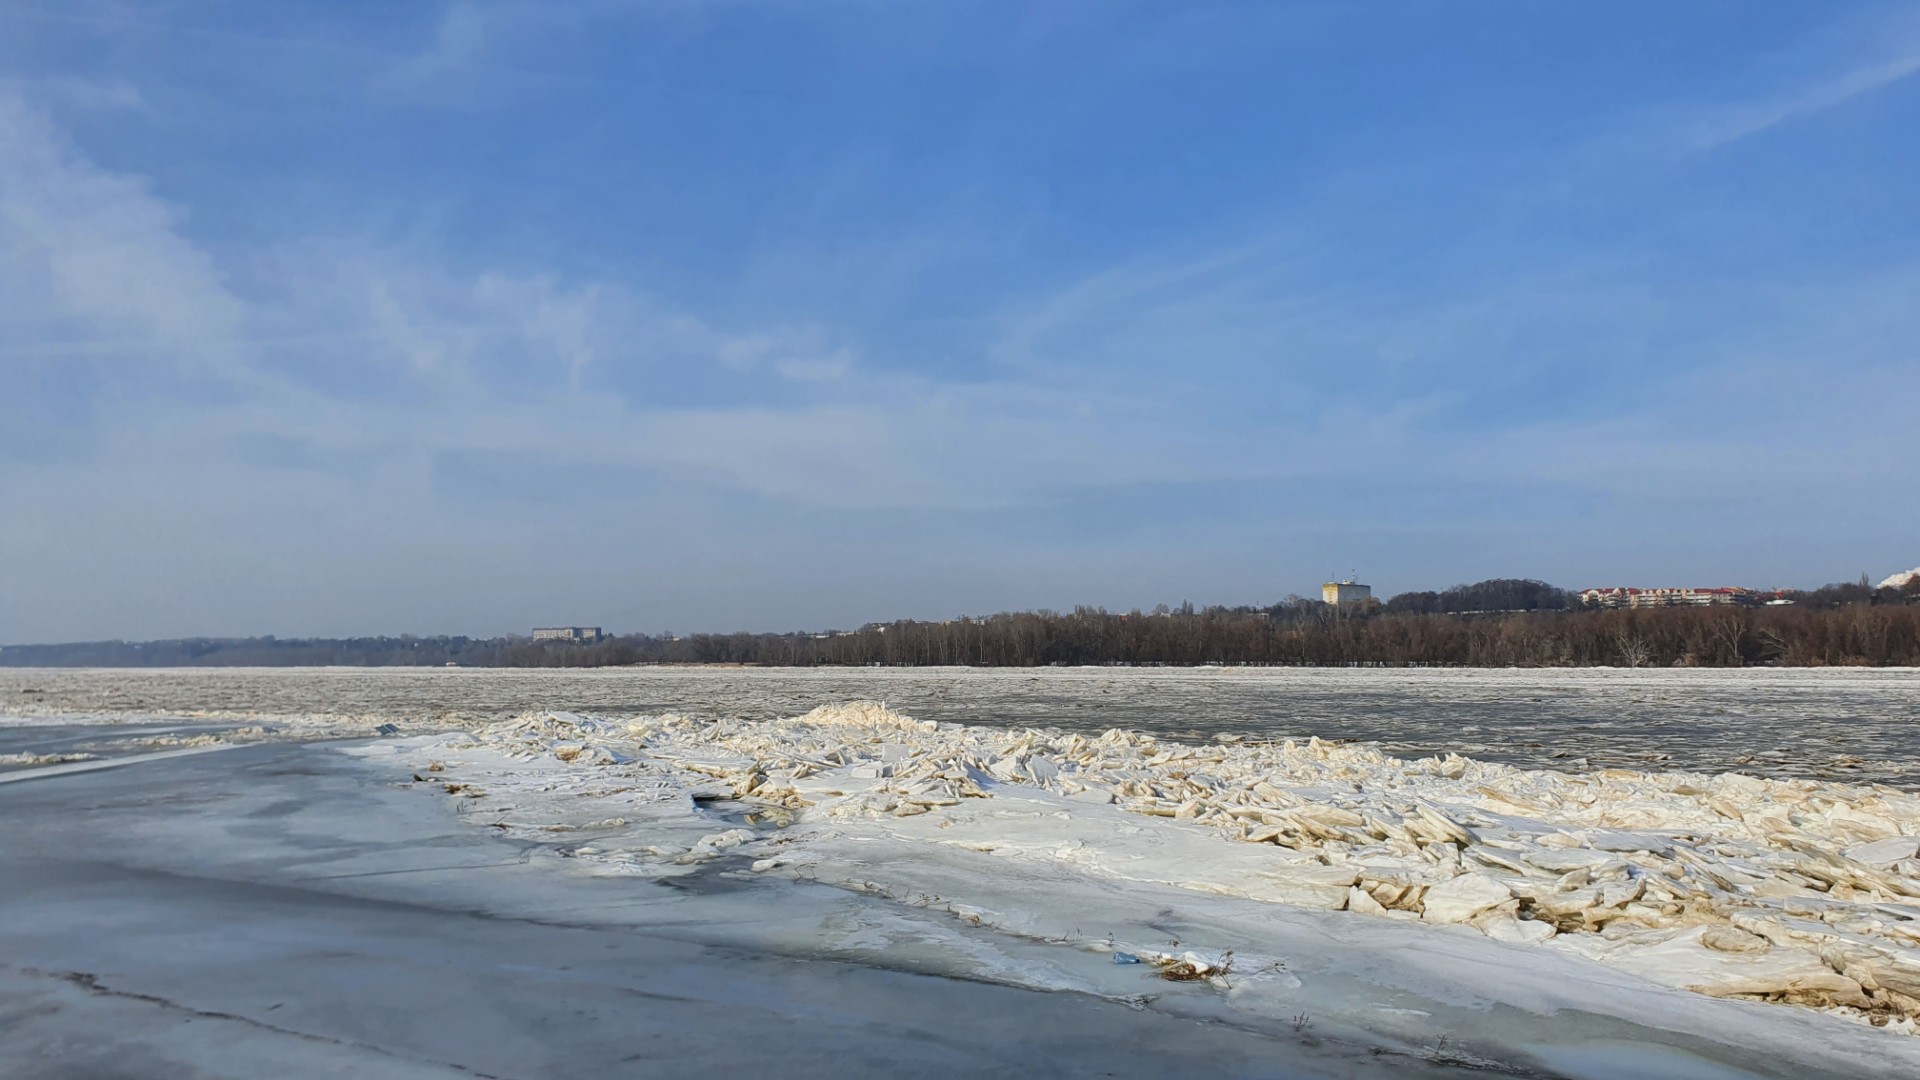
x=680, y=343
x=1882, y=50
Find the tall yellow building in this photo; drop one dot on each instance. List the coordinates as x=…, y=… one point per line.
x=1344, y=593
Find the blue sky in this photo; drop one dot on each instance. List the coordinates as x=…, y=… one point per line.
x=715, y=314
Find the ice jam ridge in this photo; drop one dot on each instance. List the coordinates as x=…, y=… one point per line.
x=1803, y=892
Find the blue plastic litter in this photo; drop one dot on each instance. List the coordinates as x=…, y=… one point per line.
x=1125, y=958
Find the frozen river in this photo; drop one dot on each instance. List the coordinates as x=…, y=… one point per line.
x=294, y=910
x=1858, y=725
x=662, y=871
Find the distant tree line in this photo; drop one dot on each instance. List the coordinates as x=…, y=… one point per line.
x=1498, y=623
x=1498, y=594
x=406, y=650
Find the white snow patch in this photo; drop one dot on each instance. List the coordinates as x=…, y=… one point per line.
x=1728, y=885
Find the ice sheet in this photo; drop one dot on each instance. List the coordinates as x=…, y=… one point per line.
x=1846, y=724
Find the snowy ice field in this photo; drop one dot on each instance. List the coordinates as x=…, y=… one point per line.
x=1591, y=892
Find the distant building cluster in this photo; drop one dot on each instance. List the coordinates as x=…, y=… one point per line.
x=1643, y=598
x=1345, y=592
x=568, y=633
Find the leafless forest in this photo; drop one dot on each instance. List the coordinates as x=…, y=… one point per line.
x=1491, y=624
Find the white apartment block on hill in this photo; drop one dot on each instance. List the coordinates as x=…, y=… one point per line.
x=1668, y=597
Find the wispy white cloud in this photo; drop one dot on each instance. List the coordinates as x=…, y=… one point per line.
x=461, y=37
x=1857, y=56
x=88, y=254
x=112, y=94
x=469, y=38
x=1124, y=290
x=803, y=353
x=1732, y=123
x=496, y=362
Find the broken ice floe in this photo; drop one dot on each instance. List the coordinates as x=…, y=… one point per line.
x=1797, y=891
x=12, y=760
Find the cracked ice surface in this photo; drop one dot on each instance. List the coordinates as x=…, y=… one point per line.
x=1799, y=892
